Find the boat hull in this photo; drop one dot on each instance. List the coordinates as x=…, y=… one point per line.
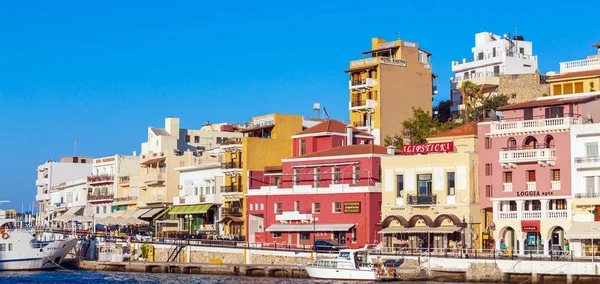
x=325, y=273
x=48, y=257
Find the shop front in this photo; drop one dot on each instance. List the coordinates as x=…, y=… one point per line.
x=584, y=239
x=195, y=219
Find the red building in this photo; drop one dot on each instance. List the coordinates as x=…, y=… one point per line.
x=330, y=188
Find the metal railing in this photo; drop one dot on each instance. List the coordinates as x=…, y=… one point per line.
x=126, y=198
x=231, y=165
x=580, y=160
x=124, y=179
x=360, y=123
x=421, y=199
x=103, y=196
x=99, y=178
x=232, y=188
x=588, y=195
x=232, y=212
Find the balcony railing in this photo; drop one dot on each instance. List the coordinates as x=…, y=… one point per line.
x=527, y=155
x=100, y=178
x=358, y=104
x=360, y=124
x=362, y=84
x=126, y=199
x=232, y=212
x=124, y=179
x=232, y=188
x=588, y=195
x=531, y=185
x=154, y=198
x=507, y=215
x=153, y=178
x=557, y=214
x=535, y=125
x=508, y=187
x=100, y=197
x=586, y=162
x=580, y=65
x=555, y=185
x=532, y=215
x=421, y=199
x=474, y=76
x=231, y=165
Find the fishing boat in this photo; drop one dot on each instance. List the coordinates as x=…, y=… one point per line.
x=22, y=249
x=350, y=264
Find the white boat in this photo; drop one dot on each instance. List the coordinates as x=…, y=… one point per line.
x=350, y=264
x=20, y=249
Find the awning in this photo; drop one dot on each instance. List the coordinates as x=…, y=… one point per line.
x=190, y=209
x=234, y=197
x=232, y=218
x=393, y=230
x=151, y=213
x=439, y=230
x=583, y=230
x=72, y=213
x=139, y=213
x=153, y=160
x=309, y=227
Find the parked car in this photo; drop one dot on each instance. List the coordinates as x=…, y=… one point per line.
x=325, y=245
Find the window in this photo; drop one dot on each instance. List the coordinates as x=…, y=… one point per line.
x=528, y=114
x=196, y=139
x=488, y=169
x=336, y=174
x=424, y=184
x=83, y=161
x=317, y=177
x=494, y=52
x=554, y=112
x=316, y=208
x=521, y=50
x=399, y=185
x=530, y=175
x=374, y=95
x=513, y=95
x=97, y=209
x=356, y=174
x=488, y=143
x=555, y=175
x=276, y=181
x=187, y=139
x=10, y=247
x=296, y=176
x=591, y=149
x=512, y=143
x=278, y=208
x=450, y=183
x=2, y=247
x=533, y=205
x=305, y=236
x=276, y=234
x=104, y=209
x=302, y=147
x=488, y=191
x=516, y=76
x=512, y=205
x=379, y=207
x=337, y=207
x=219, y=140
x=480, y=56
x=507, y=177
x=296, y=205
x=589, y=185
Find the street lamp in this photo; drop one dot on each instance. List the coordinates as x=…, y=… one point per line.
x=314, y=220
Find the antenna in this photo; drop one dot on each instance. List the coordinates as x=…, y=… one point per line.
x=326, y=113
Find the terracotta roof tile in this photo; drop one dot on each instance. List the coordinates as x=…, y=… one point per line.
x=463, y=130
x=332, y=125
x=549, y=102
x=575, y=74
x=348, y=150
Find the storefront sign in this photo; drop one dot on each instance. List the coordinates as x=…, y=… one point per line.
x=530, y=226
x=393, y=61
x=352, y=207
x=413, y=149
x=534, y=193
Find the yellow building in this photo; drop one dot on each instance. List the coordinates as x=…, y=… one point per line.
x=430, y=197
x=266, y=142
x=384, y=86
x=578, y=76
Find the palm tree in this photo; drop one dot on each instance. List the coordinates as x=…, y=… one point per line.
x=471, y=95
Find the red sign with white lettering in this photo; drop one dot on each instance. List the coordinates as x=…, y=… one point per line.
x=413, y=149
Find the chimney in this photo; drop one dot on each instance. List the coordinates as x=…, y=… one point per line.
x=349, y=131
x=391, y=150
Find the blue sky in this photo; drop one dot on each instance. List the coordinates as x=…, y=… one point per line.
x=103, y=72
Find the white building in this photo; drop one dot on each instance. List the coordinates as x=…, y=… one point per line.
x=585, y=180
x=493, y=55
x=591, y=62
x=54, y=173
x=68, y=201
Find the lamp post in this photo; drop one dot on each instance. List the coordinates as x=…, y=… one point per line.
x=314, y=220
x=464, y=243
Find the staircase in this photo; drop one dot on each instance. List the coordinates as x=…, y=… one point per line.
x=175, y=250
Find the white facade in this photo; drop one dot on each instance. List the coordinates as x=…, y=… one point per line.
x=585, y=167
x=54, y=173
x=199, y=184
x=493, y=55
x=592, y=62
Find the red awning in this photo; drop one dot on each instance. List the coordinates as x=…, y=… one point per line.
x=153, y=160
x=530, y=226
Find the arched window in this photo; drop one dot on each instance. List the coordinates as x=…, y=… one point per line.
x=512, y=143
x=530, y=143
x=549, y=141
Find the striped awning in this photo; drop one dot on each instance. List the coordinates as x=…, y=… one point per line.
x=190, y=209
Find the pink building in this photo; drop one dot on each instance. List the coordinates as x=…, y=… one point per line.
x=525, y=171
x=329, y=189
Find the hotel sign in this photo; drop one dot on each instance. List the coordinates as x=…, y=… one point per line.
x=534, y=193
x=393, y=61
x=264, y=121
x=352, y=207
x=414, y=149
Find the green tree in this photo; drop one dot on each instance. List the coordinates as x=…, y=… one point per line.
x=490, y=103
x=397, y=141
x=471, y=96
x=422, y=125
x=443, y=110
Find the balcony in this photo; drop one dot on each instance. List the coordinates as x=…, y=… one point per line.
x=362, y=124
x=376, y=60
x=587, y=162
x=532, y=215
x=100, y=197
x=41, y=181
x=159, y=198
x=232, y=188
x=508, y=215
x=193, y=199
x=362, y=84
x=421, y=199
x=480, y=78
x=557, y=214
x=530, y=186
x=236, y=211
x=508, y=187
x=231, y=165
x=587, y=195
x=42, y=197
x=580, y=65
x=555, y=185
x=545, y=155
x=124, y=180
x=525, y=127
x=100, y=179
x=153, y=178
x=126, y=200
x=362, y=104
